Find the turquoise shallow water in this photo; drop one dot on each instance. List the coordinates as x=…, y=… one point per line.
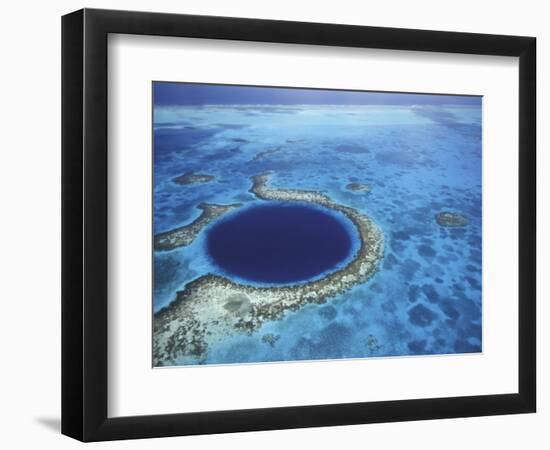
x=417, y=160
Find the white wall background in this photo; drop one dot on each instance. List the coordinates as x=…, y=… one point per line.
x=30, y=223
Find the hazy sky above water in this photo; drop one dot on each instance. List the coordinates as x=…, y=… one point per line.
x=166, y=93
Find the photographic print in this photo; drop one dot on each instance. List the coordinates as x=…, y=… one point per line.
x=298, y=224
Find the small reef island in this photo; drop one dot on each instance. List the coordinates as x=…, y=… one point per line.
x=193, y=178
x=450, y=219
x=213, y=307
x=182, y=236
x=358, y=187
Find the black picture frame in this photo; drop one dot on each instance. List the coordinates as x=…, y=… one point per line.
x=84, y=224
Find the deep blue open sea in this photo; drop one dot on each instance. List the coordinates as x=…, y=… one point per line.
x=418, y=160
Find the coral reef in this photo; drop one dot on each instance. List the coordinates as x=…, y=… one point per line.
x=372, y=344
x=213, y=307
x=185, y=235
x=450, y=219
x=193, y=178
x=358, y=187
x=270, y=339
x=268, y=152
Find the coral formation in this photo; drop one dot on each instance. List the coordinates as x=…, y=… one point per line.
x=185, y=235
x=450, y=219
x=212, y=307
x=358, y=187
x=270, y=339
x=193, y=178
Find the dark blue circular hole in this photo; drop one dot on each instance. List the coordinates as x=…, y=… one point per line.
x=279, y=243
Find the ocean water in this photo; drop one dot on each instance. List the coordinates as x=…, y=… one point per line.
x=418, y=160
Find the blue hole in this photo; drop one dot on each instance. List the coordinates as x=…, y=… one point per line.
x=280, y=243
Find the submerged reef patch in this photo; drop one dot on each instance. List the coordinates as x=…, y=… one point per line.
x=358, y=187
x=372, y=344
x=270, y=339
x=265, y=153
x=193, y=178
x=450, y=219
x=421, y=316
x=212, y=307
